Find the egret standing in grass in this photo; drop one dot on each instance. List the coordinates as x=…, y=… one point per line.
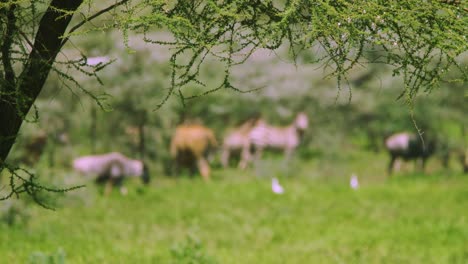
x=276, y=187
x=354, y=183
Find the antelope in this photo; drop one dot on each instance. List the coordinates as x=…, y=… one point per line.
x=111, y=169
x=34, y=148
x=190, y=145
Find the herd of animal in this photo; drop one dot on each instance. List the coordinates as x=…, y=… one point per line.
x=192, y=144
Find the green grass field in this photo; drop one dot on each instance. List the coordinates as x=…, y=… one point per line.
x=236, y=218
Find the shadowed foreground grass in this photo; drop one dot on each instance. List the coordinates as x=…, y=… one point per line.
x=237, y=219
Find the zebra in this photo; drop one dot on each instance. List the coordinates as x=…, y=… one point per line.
x=111, y=168
x=285, y=138
x=238, y=140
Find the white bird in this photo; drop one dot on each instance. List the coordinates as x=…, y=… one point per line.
x=276, y=187
x=354, y=183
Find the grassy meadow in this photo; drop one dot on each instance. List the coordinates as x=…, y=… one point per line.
x=236, y=218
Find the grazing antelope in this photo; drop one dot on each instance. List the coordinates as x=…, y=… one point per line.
x=111, y=168
x=408, y=146
x=190, y=145
x=286, y=138
x=34, y=148
x=237, y=140
x=132, y=134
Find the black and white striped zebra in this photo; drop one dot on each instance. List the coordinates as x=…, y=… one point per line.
x=286, y=138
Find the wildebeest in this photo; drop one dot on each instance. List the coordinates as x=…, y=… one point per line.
x=190, y=147
x=237, y=140
x=285, y=138
x=111, y=168
x=409, y=146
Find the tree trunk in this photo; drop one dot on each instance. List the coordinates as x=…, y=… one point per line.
x=141, y=133
x=10, y=123
x=141, y=143
x=20, y=97
x=93, y=129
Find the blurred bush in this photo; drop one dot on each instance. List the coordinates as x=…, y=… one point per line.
x=14, y=212
x=46, y=258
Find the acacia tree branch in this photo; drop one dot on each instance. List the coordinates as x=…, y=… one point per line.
x=14, y=107
x=8, y=40
x=77, y=26
x=31, y=45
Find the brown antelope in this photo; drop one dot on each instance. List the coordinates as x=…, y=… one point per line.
x=34, y=148
x=237, y=140
x=285, y=138
x=190, y=145
x=133, y=135
x=111, y=168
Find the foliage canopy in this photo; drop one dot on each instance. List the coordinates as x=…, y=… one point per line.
x=420, y=39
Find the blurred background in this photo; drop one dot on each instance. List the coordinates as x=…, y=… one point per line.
x=355, y=118
x=412, y=217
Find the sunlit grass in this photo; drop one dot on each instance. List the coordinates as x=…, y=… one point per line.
x=235, y=218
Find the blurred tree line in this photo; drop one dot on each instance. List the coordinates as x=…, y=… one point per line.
x=341, y=120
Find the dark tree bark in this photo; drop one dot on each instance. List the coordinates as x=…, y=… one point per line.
x=18, y=97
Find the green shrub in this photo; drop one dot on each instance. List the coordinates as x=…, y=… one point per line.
x=46, y=258
x=190, y=252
